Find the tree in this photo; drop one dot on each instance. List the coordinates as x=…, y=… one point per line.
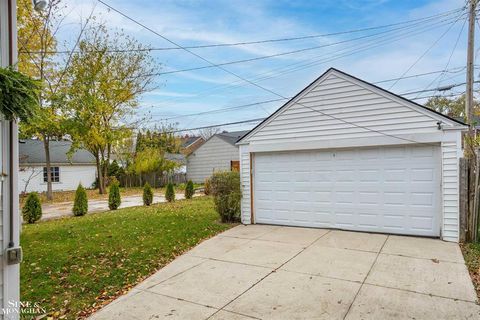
x=451, y=107
x=114, y=199
x=37, y=45
x=152, y=160
x=32, y=210
x=32, y=174
x=106, y=78
x=147, y=194
x=207, y=133
x=80, y=205
x=170, y=193
x=189, y=190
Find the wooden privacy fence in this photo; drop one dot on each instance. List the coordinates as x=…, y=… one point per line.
x=469, y=178
x=155, y=180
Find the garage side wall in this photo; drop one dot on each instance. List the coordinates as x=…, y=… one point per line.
x=451, y=152
x=245, y=183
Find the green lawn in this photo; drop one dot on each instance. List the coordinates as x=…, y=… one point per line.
x=76, y=264
x=471, y=253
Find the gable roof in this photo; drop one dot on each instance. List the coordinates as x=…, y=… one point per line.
x=231, y=137
x=372, y=86
x=188, y=141
x=33, y=152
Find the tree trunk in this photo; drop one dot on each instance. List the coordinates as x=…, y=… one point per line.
x=101, y=188
x=46, y=145
x=106, y=164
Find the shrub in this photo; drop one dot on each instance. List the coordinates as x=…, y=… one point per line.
x=170, y=193
x=189, y=191
x=114, y=199
x=207, y=187
x=80, y=205
x=147, y=194
x=225, y=187
x=32, y=210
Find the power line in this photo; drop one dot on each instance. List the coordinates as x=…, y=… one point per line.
x=253, y=83
x=426, y=52
x=219, y=110
x=281, y=53
x=440, y=76
x=218, y=125
x=320, y=61
x=243, y=43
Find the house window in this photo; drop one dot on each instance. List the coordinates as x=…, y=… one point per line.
x=54, y=172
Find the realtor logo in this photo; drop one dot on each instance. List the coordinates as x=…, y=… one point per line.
x=22, y=307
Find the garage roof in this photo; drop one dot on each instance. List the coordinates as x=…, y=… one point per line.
x=330, y=71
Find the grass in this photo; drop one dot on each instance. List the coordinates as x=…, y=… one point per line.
x=471, y=253
x=74, y=265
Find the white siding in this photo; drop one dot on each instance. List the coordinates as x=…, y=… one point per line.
x=9, y=274
x=339, y=111
x=450, y=185
x=213, y=155
x=245, y=180
x=314, y=115
x=70, y=177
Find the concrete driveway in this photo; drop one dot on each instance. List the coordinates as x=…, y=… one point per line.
x=269, y=272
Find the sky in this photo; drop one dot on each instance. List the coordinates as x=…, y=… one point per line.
x=380, y=53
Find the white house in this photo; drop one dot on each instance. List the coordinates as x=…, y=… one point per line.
x=218, y=153
x=66, y=172
x=346, y=154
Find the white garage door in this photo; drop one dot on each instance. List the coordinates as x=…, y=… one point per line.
x=385, y=189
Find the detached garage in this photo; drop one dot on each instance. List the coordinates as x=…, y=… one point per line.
x=346, y=154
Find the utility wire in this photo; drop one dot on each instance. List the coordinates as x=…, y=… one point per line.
x=243, y=43
x=253, y=83
x=426, y=52
x=375, y=43
x=279, y=54
x=220, y=110
x=440, y=76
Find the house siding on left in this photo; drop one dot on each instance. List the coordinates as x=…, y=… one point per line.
x=9, y=229
x=31, y=177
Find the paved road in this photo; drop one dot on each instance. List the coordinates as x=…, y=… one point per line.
x=58, y=210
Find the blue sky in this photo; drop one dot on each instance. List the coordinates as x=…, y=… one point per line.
x=213, y=22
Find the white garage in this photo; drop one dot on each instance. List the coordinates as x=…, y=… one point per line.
x=346, y=154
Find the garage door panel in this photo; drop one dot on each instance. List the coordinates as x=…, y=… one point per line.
x=384, y=189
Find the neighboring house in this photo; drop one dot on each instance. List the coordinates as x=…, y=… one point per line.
x=219, y=153
x=66, y=172
x=190, y=144
x=346, y=154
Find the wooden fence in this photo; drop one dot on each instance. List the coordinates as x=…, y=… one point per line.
x=155, y=180
x=469, y=198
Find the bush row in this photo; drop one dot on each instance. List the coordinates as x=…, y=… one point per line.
x=32, y=209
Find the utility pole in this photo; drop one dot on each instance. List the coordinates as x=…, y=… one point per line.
x=470, y=150
x=470, y=57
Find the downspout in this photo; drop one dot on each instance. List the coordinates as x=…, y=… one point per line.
x=11, y=243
